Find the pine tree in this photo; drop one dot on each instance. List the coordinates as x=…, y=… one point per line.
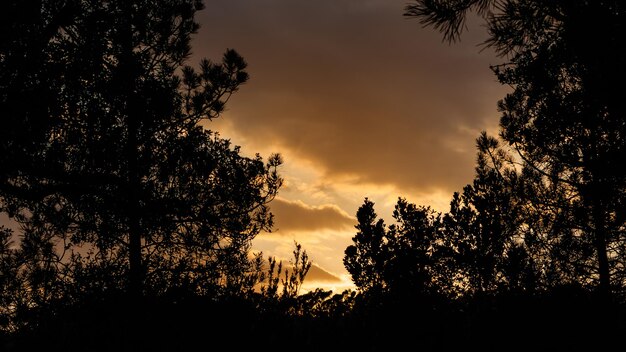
x=565, y=115
x=104, y=157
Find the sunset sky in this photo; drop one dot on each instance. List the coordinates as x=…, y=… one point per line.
x=360, y=101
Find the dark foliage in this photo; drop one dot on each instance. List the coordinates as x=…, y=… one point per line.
x=105, y=164
x=136, y=221
x=564, y=119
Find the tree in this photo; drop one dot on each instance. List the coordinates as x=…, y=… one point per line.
x=104, y=158
x=565, y=117
x=8, y=279
x=481, y=246
x=411, y=250
x=484, y=229
x=365, y=259
x=400, y=259
x=292, y=281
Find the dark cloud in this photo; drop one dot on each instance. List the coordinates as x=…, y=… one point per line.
x=357, y=88
x=298, y=216
x=318, y=275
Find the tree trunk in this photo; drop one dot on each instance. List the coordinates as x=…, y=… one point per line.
x=600, y=241
x=134, y=251
x=134, y=211
x=128, y=80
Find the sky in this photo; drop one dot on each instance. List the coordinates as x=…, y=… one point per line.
x=360, y=102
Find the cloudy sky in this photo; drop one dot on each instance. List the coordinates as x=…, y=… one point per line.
x=360, y=101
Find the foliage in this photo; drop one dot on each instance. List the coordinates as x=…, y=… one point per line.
x=105, y=161
x=136, y=221
x=396, y=259
x=292, y=281
x=365, y=259
x=483, y=226
x=564, y=118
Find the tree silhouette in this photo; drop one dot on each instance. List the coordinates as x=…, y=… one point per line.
x=292, y=281
x=484, y=229
x=365, y=259
x=483, y=245
x=411, y=249
x=565, y=115
x=399, y=259
x=105, y=163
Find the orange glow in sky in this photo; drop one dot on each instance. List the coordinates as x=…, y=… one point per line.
x=361, y=102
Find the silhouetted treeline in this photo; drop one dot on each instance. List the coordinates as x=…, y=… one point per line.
x=565, y=318
x=136, y=222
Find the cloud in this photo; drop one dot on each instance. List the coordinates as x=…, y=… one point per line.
x=359, y=100
x=318, y=275
x=320, y=278
x=357, y=89
x=298, y=216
